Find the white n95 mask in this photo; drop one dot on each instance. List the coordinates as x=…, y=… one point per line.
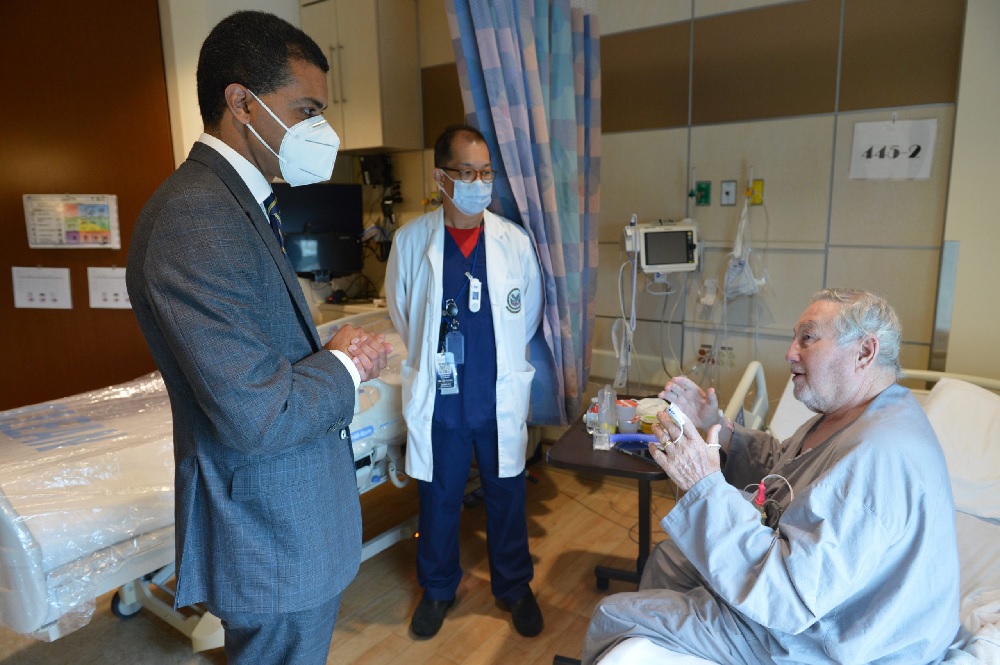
x=308, y=150
x=470, y=198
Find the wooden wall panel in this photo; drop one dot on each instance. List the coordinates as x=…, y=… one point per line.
x=773, y=62
x=84, y=112
x=780, y=60
x=441, y=96
x=644, y=78
x=901, y=53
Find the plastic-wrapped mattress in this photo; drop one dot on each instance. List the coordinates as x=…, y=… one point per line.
x=86, y=502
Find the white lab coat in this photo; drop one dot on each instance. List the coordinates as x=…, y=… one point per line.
x=413, y=286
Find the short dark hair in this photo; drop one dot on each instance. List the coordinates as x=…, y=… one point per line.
x=253, y=49
x=442, y=147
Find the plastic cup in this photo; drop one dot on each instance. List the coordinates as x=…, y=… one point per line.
x=625, y=411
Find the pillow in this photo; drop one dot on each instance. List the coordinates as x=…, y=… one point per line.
x=966, y=419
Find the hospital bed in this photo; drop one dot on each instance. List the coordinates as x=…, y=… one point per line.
x=965, y=413
x=87, y=494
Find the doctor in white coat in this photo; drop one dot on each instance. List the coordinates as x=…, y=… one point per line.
x=464, y=292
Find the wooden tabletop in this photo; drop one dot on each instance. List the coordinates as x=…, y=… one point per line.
x=574, y=450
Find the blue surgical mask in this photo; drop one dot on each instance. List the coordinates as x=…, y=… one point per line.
x=470, y=198
x=308, y=150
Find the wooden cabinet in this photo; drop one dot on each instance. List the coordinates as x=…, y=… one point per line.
x=374, y=78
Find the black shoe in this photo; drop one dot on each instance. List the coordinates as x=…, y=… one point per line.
x=429, y=616
x=525, y=613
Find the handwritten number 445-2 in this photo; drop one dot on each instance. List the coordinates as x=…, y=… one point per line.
x=890, y=152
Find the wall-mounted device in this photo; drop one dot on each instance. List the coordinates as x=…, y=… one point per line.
x=664, y=247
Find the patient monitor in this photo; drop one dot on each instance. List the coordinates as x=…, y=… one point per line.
x=664, y=247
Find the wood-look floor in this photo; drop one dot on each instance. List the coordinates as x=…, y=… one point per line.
x=575, y=522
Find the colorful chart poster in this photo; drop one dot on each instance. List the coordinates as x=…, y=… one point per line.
x=71, y=221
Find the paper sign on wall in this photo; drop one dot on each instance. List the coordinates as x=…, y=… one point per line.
x=72, y=221
x=107, y=288
x=893, y=150
x=42, y=288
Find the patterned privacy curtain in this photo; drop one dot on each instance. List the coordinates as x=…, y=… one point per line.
x=530, y=77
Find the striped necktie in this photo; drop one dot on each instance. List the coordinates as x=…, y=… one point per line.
x=274, y=217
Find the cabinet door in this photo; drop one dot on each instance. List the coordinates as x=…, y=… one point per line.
x=360, y=101
x=319, y=21
x=374, y=82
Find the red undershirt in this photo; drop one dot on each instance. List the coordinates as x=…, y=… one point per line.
x=466, y=239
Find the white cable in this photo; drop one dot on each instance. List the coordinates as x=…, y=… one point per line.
x=623, y=346
x=624, y=351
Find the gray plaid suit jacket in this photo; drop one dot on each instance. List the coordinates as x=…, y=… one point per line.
x=267, y=511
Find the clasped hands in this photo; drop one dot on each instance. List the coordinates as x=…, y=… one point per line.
x=368, y=351
x=683, y=454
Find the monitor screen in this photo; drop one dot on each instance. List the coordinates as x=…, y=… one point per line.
x=322, y=225
x=667, y=247
x=672, y=248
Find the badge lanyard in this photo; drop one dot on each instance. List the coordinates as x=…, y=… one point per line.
x=451, y=344
x=449, y=338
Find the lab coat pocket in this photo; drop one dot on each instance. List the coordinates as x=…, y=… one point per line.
x=513, y=395
x=416, y=393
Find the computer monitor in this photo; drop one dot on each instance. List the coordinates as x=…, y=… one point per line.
x=322, y=225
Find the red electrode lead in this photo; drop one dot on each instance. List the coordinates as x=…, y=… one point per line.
x=760, y=499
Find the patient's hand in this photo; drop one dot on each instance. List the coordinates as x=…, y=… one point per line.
x=685, y=456
x=700, y=406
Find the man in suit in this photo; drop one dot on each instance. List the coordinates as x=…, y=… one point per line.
x=268, y=520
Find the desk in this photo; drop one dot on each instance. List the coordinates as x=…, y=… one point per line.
x=575, y=451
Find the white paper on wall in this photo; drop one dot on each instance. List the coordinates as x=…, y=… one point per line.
x=107, y=288
x=893, y=150
x=42, y=288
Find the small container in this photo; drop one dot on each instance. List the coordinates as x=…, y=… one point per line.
x=628, y=426
x=590, y=417
x=647, y=422
x=606, y=416
x=625, y=411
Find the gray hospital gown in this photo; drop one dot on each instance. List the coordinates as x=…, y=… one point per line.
x=862, y=568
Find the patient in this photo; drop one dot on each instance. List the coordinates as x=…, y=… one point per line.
x=857, y=561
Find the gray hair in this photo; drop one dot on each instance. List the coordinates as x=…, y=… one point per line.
x=864, y=313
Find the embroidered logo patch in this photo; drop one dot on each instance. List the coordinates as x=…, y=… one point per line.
x=514, y=301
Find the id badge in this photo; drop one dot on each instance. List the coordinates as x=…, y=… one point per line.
x=447, y=374
x=454, y=343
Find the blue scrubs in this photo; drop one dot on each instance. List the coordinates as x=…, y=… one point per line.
x=464, y=424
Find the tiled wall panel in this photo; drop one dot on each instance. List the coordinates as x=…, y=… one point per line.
x=891, y=212
x=792, y=157
x=644, y=173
